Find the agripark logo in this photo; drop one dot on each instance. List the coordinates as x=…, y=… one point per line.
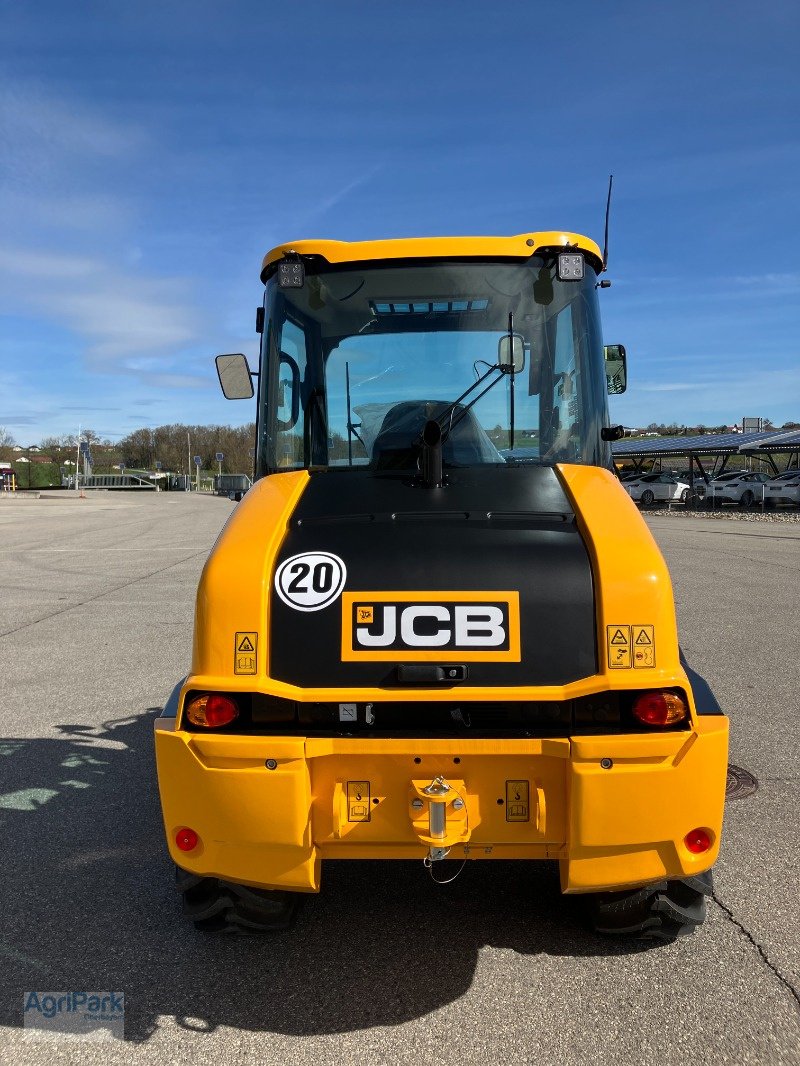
x=76, y=1015
x=430, y=626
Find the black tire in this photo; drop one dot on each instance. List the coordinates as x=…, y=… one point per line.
x=223, y=907
x=747, y=500
x=685, y=496
x=648, y=498
x=663, y=911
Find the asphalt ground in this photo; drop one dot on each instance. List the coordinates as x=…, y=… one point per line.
x=96, y=600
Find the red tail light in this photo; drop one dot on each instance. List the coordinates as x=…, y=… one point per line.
x=187, y=839
x=697, y=841
x=212, y=711
x=660, y=708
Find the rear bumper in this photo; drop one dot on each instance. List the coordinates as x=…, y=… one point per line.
x=269, y=809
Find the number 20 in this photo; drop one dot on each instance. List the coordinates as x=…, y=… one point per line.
x=321, y=577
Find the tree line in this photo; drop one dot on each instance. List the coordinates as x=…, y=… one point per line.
x=675, y=429
x=174, y=446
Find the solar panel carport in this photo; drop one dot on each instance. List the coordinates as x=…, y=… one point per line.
x=787, y=442
x=714, y=446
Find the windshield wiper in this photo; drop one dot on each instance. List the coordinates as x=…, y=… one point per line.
x=434, y=434
x=352, y=428
x=448, y=411
x=446, y=416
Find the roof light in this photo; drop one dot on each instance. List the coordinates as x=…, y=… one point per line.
x=570, y=266
x=660, y=708
x=212, y=710
x=291, y=273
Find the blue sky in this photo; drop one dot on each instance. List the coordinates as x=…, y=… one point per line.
x=151, y=153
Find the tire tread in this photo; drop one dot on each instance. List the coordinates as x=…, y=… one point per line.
x=662, y=911
x=217, y=906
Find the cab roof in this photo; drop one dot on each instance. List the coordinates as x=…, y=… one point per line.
x=520, y=246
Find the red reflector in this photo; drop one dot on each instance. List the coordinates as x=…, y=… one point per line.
x=659, y=708
x=212, y=711
x=187, y=839
x=697, y=841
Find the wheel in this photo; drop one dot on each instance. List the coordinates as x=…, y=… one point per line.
x=747, y=499
x=223, y=907
x=648, y=497
x=684, y=496
x=663, y=911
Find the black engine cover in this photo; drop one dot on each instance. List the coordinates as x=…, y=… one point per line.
x=488, y=529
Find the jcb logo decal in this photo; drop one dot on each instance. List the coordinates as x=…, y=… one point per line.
x=426, y=626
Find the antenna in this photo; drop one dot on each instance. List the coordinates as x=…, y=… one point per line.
x=608, y=209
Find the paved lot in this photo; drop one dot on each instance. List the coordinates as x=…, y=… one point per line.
x=95, y=627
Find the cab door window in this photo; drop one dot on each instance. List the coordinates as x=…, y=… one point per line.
x=292, y=371
x=565, y=425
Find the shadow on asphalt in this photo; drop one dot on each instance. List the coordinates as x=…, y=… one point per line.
x=89, y=904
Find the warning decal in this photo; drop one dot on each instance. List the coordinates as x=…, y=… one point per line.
x=358, y=801
x=245, y=654
x=644, y=646
x=518, y=807
x=619, y=647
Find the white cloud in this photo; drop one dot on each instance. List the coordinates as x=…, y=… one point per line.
x=45, y=267
x=668, y=386
x=70, y=254
x=765, y=285
x=37, y=126
x=712, y=396
x=120, y=315
x=319, y=210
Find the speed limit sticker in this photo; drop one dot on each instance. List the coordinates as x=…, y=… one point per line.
x=311, y=580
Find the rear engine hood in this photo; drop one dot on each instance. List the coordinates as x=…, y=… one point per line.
x=489, y=572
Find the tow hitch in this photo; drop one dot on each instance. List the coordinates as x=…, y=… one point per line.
x=439, y=816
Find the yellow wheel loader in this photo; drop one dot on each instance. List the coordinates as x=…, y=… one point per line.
x=436, y=627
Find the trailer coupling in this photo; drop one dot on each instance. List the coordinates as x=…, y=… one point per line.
x=439, y=815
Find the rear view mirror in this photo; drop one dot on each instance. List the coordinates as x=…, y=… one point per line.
x=511, y=353
x=234, y=376
x=616, y=369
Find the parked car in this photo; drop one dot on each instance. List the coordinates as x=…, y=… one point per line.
x=785, y=488
x=651, y=487
x=743, y=487
x=729, y=475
